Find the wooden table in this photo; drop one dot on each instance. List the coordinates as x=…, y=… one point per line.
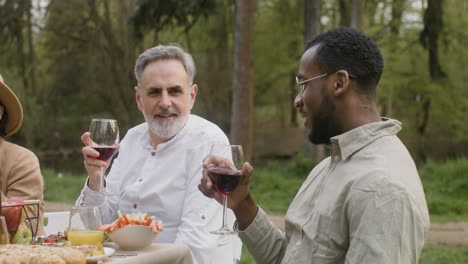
x=156, y=253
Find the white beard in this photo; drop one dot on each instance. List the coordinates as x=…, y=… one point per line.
x=167, y=128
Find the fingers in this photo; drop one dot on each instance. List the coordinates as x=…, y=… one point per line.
x=91, y=162
x=86, y=139
x=206, y=186
x=247, y=169
x=218, y=161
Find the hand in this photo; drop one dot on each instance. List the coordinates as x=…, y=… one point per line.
x=91, y=163
x=241, y=193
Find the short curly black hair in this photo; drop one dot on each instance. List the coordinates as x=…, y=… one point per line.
x=351, y=50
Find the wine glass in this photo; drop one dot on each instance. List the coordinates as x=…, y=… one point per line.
x=83, y=226
x=105, y=135
x=226, y=176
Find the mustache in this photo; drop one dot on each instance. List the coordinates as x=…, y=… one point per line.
x=169, y=111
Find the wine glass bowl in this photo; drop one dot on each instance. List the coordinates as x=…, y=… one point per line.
x=226, y=175
x=83, y=227
x=105, y=135
x=225, y=180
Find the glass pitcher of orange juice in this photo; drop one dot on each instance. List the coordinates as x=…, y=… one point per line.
x=83, y=228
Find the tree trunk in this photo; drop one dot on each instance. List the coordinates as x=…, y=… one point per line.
x=32, y=78
x=356, y=14
x=312, y=27
x=397, y=13
x=311, y=19
x=312, y=14
x=345, y=17
x=395, y=23
x=430, y=36
x=293, y=110
x=429, y=39
x=242, y=90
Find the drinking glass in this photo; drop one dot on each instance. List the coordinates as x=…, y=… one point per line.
x=83, y=227
x=105, y=135
x=4, y=237
x=226, y=176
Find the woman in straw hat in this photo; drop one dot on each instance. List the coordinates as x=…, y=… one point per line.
x=20, y=175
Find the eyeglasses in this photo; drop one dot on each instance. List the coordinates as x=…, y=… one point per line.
x=302, y=84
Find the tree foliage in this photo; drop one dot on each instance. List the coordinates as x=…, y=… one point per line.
x=70, y=61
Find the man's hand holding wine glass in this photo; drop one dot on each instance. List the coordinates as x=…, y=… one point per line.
x=208, y=188
x=92, y=162
x=240, y=199
x=101, y=144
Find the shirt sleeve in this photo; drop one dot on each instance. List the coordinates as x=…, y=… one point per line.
x=384, y=227
x=264, y=241
x=25, y=181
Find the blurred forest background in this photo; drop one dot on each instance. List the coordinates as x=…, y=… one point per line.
x=70, y=61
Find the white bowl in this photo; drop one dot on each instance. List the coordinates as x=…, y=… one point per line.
x=133, y=237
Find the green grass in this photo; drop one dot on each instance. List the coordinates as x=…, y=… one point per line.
x=60, y=187
x=446, y=189
x=430, y=255
x=246, y=258
x=275, y=185
x=442, y=255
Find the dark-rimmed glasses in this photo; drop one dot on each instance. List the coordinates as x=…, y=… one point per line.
x=302, y=84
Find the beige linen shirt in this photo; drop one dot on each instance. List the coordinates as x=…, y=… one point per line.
x=21, y=176
x=363, y=204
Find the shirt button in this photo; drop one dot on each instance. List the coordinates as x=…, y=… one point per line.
x=140, y=180
x=153, y=153
x=135, y=206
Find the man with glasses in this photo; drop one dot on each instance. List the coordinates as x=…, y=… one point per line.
x=363, y=204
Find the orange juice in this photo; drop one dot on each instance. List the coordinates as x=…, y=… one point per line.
x=88, y=237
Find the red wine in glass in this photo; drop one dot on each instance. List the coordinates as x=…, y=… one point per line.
x=226, y=175
x=225, y=180
x=105, y=134
x=105, y=152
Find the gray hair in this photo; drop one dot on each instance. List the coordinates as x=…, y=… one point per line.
x=168, y=52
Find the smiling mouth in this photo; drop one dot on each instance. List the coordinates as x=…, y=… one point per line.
x=165, y=116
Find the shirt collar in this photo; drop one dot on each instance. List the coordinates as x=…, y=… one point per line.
x=344, y=145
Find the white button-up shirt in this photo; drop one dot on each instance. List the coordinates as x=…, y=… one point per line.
x=364, y=204
x=163, y=182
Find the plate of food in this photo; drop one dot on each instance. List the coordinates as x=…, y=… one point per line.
x=94, y=254
x=94, y=259
x=51, y=240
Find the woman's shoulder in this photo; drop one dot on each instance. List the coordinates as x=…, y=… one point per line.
x=17, y=153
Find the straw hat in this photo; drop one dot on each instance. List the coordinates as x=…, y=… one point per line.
x=12, y=107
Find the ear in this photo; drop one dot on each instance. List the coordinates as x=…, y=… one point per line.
x=341, y=83
x=138, y=98
x=193, y=95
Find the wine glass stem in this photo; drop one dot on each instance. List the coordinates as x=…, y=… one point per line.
x=101, y=188
x=225, y=197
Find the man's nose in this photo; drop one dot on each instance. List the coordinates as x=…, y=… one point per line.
x=298, y=101
x=165, y=101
